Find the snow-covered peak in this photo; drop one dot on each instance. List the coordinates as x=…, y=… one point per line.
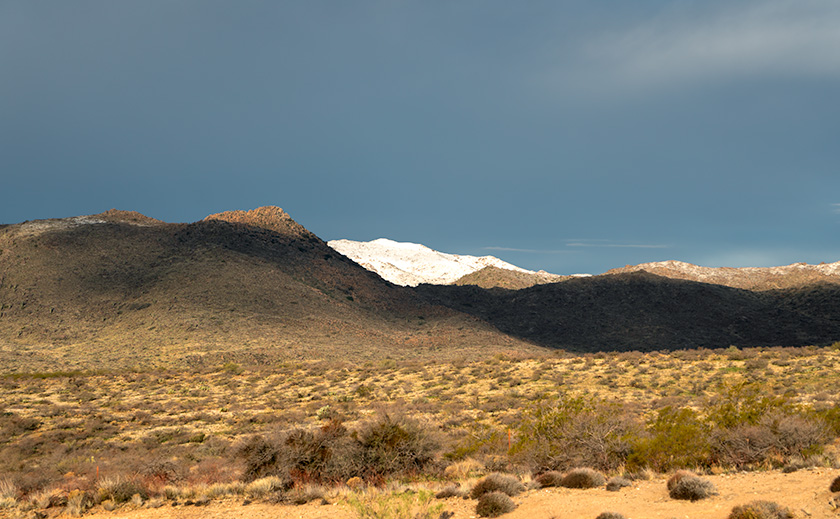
x=409, y=264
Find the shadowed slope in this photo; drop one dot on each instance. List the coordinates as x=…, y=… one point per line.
x=641, y=311
x=122, y=289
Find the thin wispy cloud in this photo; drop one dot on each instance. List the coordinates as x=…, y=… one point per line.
x=618, y=245
x=532, y=251
x=777, y=38
x=835, y=208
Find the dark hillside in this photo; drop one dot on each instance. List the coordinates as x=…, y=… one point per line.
x=641, y=311
x=123, y=289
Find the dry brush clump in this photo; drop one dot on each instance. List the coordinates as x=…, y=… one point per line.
x=835, y=485
x=583, y=478
x=332, y=454
x=552, y=478
x=689, y=487
x=497, y=482
x=760, y=510
x=494, y=504
x=610, y=515
x=617, y=483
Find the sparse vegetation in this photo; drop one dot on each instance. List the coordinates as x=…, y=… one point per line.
x=835, y=485
x=178, y=436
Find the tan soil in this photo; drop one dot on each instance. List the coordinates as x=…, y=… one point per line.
x=805, y=492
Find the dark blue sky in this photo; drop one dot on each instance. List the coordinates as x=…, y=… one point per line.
x=572, y=136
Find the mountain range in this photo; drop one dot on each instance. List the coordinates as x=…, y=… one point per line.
x=120, y=289
x=410, y=264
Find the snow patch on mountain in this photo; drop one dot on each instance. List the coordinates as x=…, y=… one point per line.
x=410, y=264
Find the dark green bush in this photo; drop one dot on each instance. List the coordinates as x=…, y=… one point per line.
x=497, y=482
x=760, y=510
x=675, y=438
x=494, y=504
x=395, y=445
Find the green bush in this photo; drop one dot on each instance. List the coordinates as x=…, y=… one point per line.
x=675, y=438
x=572, y=432
x=744, y=404
x=395, y=445
x=494, y=504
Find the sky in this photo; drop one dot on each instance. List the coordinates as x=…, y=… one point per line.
x=572, y=136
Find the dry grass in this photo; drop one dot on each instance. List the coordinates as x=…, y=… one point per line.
x=173, y=433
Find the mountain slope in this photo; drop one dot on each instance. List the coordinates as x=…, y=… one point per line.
x=411, y=264
x=122, y=289
x=642, y=311
x=750, y=278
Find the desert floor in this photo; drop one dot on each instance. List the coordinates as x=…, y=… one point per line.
x=805, y=492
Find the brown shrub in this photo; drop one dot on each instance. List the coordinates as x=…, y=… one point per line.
x=552, y=478
x=610, y=515
x=760, y=510
x=692, y=488
x=497, y=482
x=582, y=478
x=450, y=491
x=677, y=476
x=835, y=485
x=494, y=504
x=617, y=483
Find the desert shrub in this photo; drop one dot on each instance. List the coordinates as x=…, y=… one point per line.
x=261, y=457
x=674, y=438
x=610, y=515
x=760, y=510
x=450, y=491
x=582, y=478
x=617, y=483
x=677, y=476
x=571, y=432
x=835, y=485
x=395, y=445
x=120, y=490
x=744, y=404
x=497, y=482
x=552, y=478
x=494, y=504
x=692, y=488
x=776, y=436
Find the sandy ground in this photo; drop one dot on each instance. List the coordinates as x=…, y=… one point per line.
x=805, y=492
